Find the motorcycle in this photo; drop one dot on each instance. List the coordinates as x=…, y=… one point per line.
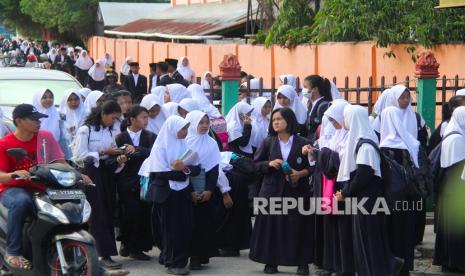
x=54, y=236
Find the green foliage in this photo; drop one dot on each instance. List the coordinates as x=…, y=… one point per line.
x=292, y=26
x=388, y=22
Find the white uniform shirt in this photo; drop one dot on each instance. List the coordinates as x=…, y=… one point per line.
x=90, y=144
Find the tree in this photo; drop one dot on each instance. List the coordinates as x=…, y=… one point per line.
x=388, y=22
x=292, y=26
x=13, y=18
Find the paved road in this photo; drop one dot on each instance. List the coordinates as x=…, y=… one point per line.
x=218, y=266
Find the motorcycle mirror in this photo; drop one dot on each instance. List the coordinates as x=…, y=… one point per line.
x=17, y=153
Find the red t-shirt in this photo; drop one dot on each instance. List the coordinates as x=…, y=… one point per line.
x=9, y=164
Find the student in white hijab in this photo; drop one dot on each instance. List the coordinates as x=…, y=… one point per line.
x=108, y=60
x=331, y=137
x=84, y=92
x=260, y=120
x=205, y=105
x=185, y=70
x=157, y=115
x=84, y=62
x=287, y=97
x=72, y=111
x=43, y=101
x=175, y=93
x=401, y=98
x=380, y=105
x=450, y=236
x=52, y=54
x=394, y=136
x=203, y=246
x=187, y=105
x=206, y=79
x=174, y=198
x=362, y=170
x=239, y=126
x=92, y=100
x=125, y=69
x=97, y=75
x=171, y=109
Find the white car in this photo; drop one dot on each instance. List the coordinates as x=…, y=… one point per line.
x=18, y=85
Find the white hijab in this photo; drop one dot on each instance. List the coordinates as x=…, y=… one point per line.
x=235, y=125
x=186, y=71
x=380, y=105
x=155, y=124
x=166, y=149
x=125, y=67
x=204, y=83
x=159, y=91
x=84, y=92
x=260, y=123
x=74, y=117
x=409, y=119
x=108, y=60
x=177, y=92
x=460, y=92
x=291, y=80
x=52, y=54
x=189, y=104
x=331, y=137
x=91, y=101
x=453, y=147
x=52, y=123
x=98, y=74
x=84, y=63
x=393, y=134
x=205, y=146
x=356, y=117
x=335, y=94
x=171, y=109
x=297, y=106
x=198, y=94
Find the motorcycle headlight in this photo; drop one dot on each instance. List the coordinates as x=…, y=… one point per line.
x=52, y=211
x=66, y=179
x=86, y=211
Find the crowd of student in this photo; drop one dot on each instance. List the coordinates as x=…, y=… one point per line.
x=137, y=145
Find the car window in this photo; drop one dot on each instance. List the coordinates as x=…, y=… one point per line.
x=14, y=92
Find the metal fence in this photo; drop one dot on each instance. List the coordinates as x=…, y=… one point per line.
x=362, y=95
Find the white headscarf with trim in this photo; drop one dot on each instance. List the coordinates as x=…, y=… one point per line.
x=295, y=104
x=260, y=123
x=198, y=94
x=453, y=147
x=74, y=117
x=52, y=123
x=356, y=117
x=155, y=124
x=235, y=125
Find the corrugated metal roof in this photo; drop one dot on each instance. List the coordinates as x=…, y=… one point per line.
x=117, y=14
x=197, y=19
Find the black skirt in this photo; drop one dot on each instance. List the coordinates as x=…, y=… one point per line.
x=203, y=241
x=176, y=225
x=283, y=239
x=102, y=198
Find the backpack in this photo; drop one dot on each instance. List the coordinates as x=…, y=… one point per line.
x=435, y=162
x=394, y=176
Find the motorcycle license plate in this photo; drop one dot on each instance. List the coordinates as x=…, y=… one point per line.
x=65, y=194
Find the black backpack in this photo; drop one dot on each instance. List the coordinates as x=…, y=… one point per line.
x=394, y=176
x=435, y=162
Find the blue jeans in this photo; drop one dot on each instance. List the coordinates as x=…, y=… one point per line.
x=20, y=206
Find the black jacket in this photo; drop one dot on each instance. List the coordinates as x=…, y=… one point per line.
x=137, y=91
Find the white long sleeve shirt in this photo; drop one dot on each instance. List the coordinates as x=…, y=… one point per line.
x=90, y=144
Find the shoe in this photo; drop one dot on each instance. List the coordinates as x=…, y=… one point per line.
x=303, y=270
x=177, y=271
x=397, y=267
x=108, y=263
x=139, y=256
x=123, y=251
x=195, y=265
x=228, y=253
x=119, y=272
x=270, y=269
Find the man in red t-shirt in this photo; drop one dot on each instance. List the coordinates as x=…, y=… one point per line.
x=16, y=194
